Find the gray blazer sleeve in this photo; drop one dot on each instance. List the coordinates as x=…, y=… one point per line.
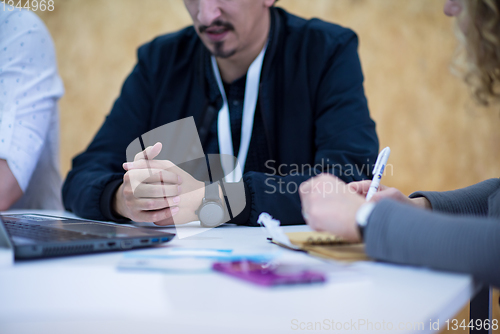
x=404, y=234
x=472, y=200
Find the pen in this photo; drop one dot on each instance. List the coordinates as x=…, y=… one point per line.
x=378, y=170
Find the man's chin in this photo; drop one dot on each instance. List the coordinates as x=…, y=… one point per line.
x=219, y=51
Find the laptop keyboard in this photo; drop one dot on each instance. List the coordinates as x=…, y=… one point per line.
x=43, y=233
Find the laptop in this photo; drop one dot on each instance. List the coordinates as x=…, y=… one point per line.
x=38, y=236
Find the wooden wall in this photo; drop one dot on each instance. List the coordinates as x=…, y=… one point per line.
x=439, y=139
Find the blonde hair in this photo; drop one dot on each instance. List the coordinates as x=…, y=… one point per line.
x=482, y=46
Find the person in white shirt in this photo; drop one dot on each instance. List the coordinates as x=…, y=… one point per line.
x=30, y=88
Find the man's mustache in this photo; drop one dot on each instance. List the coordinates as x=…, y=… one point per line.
x=217, y=23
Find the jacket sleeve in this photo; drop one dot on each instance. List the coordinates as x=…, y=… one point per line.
x=472, y=200
x=403, y=234
x=97, y=172
x=344, y=133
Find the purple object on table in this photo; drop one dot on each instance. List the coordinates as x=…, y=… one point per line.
x=268, y=275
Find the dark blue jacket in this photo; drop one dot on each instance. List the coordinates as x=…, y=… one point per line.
x=311, y=98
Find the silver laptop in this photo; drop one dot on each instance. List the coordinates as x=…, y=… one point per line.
x=37, y=236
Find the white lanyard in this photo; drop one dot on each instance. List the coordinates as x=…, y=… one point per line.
x=235, y=173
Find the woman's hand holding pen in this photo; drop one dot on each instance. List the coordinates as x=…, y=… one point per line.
x=362, y=187
x=328, y=205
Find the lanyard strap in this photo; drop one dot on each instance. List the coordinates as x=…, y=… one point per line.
x=235, y=173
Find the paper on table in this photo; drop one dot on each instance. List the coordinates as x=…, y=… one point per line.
x=187, y=260
x=274, y=229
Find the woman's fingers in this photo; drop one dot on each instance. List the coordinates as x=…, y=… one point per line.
x=391, y=193
x=360, y=187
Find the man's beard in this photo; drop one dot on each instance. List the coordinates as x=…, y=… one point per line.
x=219, y=46
x=219, y=52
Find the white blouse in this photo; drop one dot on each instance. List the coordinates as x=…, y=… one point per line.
x=30, y=87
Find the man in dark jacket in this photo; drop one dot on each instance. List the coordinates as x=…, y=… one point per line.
x=310, y=113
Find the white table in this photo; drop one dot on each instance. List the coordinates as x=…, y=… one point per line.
x=88, y=294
